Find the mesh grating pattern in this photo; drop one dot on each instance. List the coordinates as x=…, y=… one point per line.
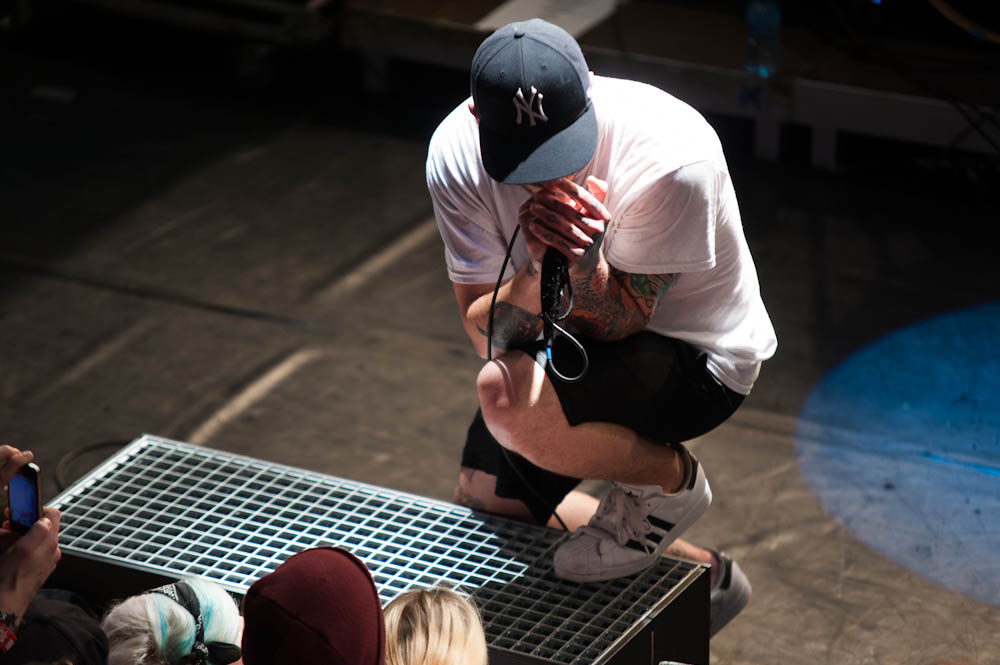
x=174, y=509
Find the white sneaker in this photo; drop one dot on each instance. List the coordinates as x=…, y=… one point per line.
x=633, y=526
x=730, y=594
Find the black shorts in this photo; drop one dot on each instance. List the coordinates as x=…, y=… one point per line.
x=656, y=386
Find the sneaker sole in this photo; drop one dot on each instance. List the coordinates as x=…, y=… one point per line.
x=624, y=570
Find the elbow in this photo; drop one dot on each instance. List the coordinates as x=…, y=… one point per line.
x=477, y=337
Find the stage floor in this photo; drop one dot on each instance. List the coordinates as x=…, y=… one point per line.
x=251, y=264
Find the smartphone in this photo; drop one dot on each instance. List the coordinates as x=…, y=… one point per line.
x=24, y=496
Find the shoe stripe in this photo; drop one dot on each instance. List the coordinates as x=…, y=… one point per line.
x=661, y=523
x=636, y=545
x=652, y=537
x=694, y=471
x=728, y=566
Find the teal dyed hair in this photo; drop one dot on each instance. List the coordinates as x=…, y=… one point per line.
x=152, y=629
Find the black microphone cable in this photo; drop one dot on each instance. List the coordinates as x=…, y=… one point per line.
x=554, y=279
x=489, y=356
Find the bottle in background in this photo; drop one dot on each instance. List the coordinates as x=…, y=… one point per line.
x=763, y=37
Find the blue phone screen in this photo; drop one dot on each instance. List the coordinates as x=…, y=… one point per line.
x=23, y=501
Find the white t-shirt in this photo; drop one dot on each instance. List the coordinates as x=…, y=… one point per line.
x=673, y=210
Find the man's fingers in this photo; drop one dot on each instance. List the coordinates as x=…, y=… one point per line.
x=560, y=205
x=12, y=459
x=557, y=240
x=578, y=233
x=7, y=452
x=54, y=516
x=558, y=214
x=594, y=207
x=564, y=215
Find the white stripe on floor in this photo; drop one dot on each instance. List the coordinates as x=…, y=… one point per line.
x=253, y=393
x=574, y=16
x=357, y=278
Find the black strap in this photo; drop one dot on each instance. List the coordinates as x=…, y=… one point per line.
x=219, y=652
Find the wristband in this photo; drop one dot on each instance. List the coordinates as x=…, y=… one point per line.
x=7, y=636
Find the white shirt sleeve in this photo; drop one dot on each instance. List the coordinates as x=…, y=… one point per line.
x=666, y=223
x=474, y=246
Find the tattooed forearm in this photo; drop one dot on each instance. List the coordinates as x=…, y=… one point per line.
x=589, y=262
x=600, y=310
x=611, y=304
x=512, y=326
x=645, y=289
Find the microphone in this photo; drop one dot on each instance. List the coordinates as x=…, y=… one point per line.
x=554, y=279
x=555, y=276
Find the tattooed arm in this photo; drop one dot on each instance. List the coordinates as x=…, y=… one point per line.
x=515, y=319
x=609, y=304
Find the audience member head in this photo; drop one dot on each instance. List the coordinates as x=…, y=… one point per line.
x=57, y=629
x=161, y=626
x=434, y=626
x=319, y=606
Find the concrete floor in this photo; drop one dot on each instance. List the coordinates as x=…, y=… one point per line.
x=248, y=265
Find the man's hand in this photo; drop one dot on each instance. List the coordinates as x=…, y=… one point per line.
x=563, y=215
x=12, y=459
x=28, y=561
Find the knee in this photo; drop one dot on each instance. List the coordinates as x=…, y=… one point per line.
x=494, y=390
x=498, y=401
x=508, y=413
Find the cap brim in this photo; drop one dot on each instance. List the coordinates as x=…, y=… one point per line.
x=561, y=155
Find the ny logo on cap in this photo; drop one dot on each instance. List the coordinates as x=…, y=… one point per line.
x=527, y=107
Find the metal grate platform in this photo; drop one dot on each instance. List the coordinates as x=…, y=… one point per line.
x=172, y=509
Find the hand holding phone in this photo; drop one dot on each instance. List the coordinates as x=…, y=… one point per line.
x=28, y=561
x=24, y=496
x=12, y=459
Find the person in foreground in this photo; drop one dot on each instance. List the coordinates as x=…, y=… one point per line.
x=631, y=186
x=190, y=622
x=318, y=606
x=435, y=626
x=40, y=625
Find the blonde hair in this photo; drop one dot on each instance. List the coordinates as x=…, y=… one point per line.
x=435, y=626
x=152, y=629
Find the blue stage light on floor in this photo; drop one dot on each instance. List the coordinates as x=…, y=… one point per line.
x=901, y=444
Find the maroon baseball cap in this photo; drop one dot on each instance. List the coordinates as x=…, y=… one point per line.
x=319, y=606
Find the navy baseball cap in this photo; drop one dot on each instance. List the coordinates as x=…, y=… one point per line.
x=530, y=87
